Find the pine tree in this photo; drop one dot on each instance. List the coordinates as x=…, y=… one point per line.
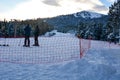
x=80, y=31
x=114, y=18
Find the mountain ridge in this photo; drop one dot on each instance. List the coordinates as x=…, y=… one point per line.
x=88, y=14
x=63, y=21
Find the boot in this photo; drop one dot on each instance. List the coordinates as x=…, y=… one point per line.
x=24, y=45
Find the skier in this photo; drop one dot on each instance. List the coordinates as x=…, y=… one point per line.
x=27, y=31
x=36, y=34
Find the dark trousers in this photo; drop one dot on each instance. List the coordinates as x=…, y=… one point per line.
x=27, y=41
x=36, y=41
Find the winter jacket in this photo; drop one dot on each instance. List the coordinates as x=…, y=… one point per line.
x=27, y=30
x=36, y=31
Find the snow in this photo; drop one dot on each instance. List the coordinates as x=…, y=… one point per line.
x=59, y=34
x=88, y=14
x=101, y=62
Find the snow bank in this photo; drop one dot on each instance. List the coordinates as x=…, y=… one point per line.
x=83, y=70
x=55, y=33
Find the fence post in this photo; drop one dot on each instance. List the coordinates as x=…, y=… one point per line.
x=80, y=44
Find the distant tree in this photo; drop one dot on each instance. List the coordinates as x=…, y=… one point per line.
x=80, y=30
x=98, y=31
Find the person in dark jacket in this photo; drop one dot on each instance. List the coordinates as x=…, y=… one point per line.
x=27, y=31
x=36, y=34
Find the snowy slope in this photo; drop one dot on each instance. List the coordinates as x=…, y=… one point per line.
x=88, y=14
x=101, y=62
x=52, y=49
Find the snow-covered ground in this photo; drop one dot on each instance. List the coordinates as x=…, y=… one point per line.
x=101, y=62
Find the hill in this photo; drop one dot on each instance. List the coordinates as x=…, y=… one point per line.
x=68, y=22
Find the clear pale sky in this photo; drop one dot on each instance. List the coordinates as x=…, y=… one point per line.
x=29, y=9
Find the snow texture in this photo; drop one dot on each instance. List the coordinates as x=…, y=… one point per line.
x=101, y=62
x=88, y=14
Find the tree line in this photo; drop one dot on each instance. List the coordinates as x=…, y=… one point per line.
x=109, y=30
x=15, y=28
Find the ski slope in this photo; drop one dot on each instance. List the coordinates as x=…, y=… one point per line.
x=57, y=48
x=101, y=62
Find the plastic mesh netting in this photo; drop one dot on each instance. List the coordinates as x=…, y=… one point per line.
x=50, y=50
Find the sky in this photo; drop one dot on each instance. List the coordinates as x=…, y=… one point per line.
x=31, y=9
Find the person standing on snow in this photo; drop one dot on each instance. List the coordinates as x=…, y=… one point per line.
x=27, y=31
x=36, y=34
